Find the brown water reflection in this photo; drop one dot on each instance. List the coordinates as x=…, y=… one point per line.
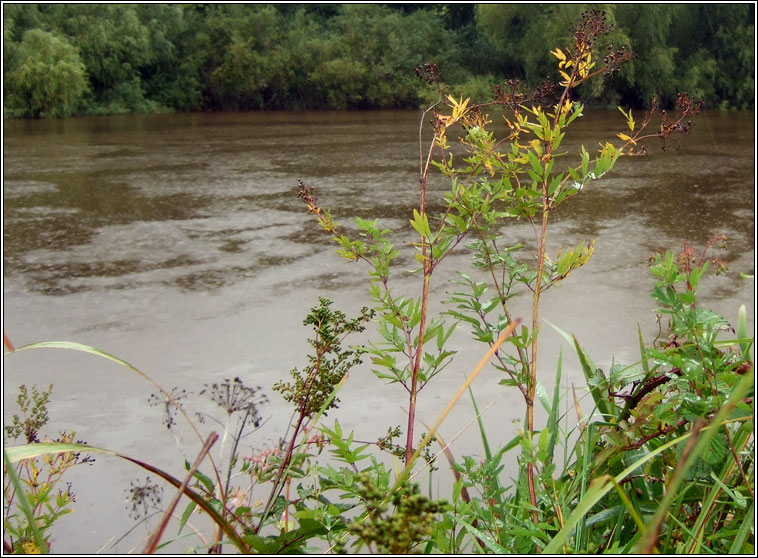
x=220, y=184
x=177, y=242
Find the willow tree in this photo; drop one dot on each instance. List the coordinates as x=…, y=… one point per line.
x=48, y=78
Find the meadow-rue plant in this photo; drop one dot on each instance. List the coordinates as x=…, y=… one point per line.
x=662, y=462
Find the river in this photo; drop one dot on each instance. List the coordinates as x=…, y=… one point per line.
x=178, y=243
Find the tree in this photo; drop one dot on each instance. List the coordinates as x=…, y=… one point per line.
x=49, y=79
x=114, y=45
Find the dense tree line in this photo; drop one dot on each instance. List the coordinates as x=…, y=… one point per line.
x=63, y=59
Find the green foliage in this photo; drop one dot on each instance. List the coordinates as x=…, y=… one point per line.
x=703, y=49
x=660, y=405
x=34, y=414
x=114, y=44
x=48, y=78
x=154, y=57
x=34, y=495
x=312, y=388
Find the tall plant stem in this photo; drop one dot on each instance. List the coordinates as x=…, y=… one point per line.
x=276, y=489
x=222, y=491
x=417, y=363
x=152, y=544
x=535, y=329
x=428, y=268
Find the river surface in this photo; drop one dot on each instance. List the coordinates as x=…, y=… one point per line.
x=178, y=243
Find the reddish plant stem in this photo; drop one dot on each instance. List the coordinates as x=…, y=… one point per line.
x=645, y=439
x=428, y=269
x=152, y=543
x=416, y=363
x=277, y=487
x=535, y=327
x=416, y=367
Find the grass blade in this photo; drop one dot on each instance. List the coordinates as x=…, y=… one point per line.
x=483, y=434
x=743, y=334
x=596, y=380
x=741, y=439
x=645, y=365
x=485, y=538
x=552, y=421
x=70, y=345
x=23, y=503
x=744, y=529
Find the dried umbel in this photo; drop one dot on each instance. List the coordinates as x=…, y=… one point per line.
x=674, y=129
x=234, y=396
x=307, y=194
x=510, y=94
x=170, y=402
x=593, y=24
x=143, y=497
x=428, y=72
x=614, y=58
x=688, y=105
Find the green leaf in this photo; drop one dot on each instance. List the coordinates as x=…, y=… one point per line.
x=28, y=451
x=742, y=333
x=421, y=224
x=716, y=450
x=738, y=498
x=542, y=396
x=576, y=113
x=621, y=375
x=205, y=480
x=643, y=353
x=703, y=441
x=486, y=538
x=585, y=161
x=186, y=515
x=535, y=162
x=543, y=444
x=554, y=183
x=552, y=422
x=594, y=376
x=534, y=176
x=557, y=138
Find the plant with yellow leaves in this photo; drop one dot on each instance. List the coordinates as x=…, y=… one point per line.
x=524, y=175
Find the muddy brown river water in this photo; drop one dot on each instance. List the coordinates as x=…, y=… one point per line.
x=177, y=243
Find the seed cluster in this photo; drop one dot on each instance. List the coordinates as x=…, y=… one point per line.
x=398, y=532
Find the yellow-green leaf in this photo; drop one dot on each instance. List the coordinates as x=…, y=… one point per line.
x=627, y=138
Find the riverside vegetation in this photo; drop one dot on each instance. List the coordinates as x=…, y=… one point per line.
x=64, y=59
x=662, y=461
